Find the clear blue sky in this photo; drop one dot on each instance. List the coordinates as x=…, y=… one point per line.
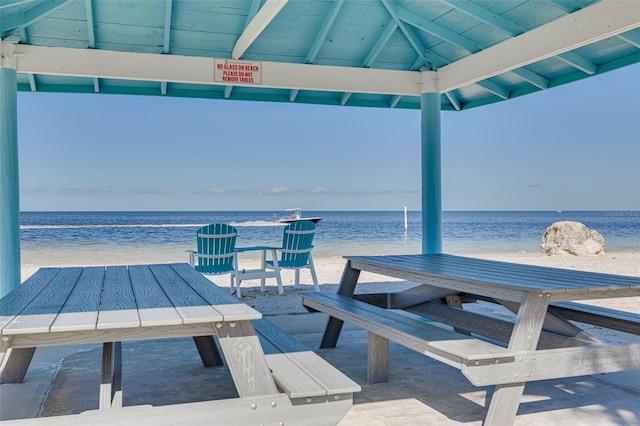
x=575, y=147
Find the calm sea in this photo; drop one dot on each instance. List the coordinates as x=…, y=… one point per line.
x=52, y=238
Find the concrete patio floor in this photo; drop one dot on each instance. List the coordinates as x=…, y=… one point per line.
x=65, y=380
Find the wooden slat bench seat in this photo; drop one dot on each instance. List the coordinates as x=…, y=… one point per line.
x=315, y=393
x=298, y=371
x=454, y=349
x=628, y=322
x=481, y=362
x=250, y=411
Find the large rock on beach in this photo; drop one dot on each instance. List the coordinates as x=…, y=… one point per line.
x=571, y=238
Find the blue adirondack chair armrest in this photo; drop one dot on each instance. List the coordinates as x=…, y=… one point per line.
x=193, y=254
x=253, y=248
x=306, y=250
x=214, y=256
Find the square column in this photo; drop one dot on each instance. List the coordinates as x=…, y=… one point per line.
x=9, y=182
x=431, y=173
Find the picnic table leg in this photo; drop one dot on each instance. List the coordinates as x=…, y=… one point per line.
x=556, y=324
x=526, y=332
x=208, y=351
x=14, y=363
x=347, y=287
x=377, y=360
x=245, y=358
x=111, y=380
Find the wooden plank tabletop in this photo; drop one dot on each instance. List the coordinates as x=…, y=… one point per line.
x=43, y=309
x=118, y=307
x=562, y=284
x=154, y=307
x=228, y=306
x=80, y=311
x=117, y=297
x=14, y=302
x=190, y=306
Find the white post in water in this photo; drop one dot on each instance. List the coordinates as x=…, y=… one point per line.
x=406, y=228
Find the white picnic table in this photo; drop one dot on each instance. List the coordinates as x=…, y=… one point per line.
x=78, y=305
x=115, y=304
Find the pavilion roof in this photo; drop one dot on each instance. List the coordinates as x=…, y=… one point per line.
x=334, y=52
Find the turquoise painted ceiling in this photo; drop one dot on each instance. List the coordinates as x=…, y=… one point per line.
x=452, y=38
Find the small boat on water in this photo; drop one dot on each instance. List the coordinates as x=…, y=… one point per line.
x=294, y=215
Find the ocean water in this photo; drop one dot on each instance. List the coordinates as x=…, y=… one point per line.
x=54, y=238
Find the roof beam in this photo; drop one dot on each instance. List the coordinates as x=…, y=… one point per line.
x=391, y=27
x=485, y=16
x=377, y=48
x=454, y=100
x=324, y=30
x=320, y=38
x=494, y=88
x=424, y=55
x=579, y=62
x=12, y=22
x=23, y=36
x=89, y=10
x=513, y=29
x=92, y=37
x=470, y=46
x=108, y=64
x=32, y=83
x=533, y=78
x=433, y=28
x=382, y=41
x=502, y=24
x=264, y=16
x=9, y=3
x=589, y=25
x=562, y=6
x=166, y=43
x=394, y=101
x=253, y=11
x=631, y=38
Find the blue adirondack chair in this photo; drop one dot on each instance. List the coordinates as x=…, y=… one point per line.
x=216, y=250
x=297, y=243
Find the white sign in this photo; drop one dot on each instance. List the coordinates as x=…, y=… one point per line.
x=241, y=72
